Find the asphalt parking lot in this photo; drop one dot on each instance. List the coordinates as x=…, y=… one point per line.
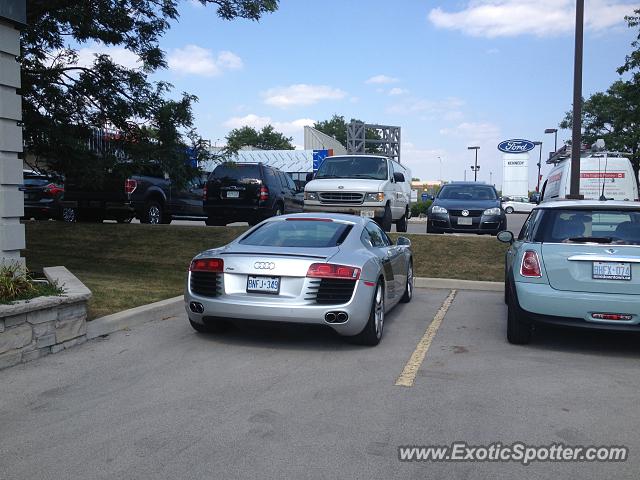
x=162, y=401
x=514, y=222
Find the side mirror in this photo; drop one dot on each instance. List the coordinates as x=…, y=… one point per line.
x=505, y=236
x=309, y=177
x=403, y=242
x=398, y=177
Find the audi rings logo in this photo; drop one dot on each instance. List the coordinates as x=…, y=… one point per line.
x=264, y=265
x=465, y=213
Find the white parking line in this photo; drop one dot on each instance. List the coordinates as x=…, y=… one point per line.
x=408, y=375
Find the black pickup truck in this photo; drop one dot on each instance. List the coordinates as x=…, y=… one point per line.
x=150, y=198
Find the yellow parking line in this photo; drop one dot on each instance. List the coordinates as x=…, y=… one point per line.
x=408, y=375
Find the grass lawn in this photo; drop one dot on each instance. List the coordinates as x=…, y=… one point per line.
x=130, y=265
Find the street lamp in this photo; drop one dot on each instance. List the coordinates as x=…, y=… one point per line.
x=475, y=167
x=555, y=137
x=440, y=160
x=539, y=165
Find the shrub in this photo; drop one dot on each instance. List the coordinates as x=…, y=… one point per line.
x=16, y=284
x=420, y=208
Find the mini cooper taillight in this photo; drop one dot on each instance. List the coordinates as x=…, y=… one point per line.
x=330, y=270
x=214, y=265
x=530, y=266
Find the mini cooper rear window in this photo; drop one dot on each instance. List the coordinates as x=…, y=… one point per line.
x=620, y=227
x=310, y=234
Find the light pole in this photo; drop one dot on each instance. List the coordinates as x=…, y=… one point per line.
x=440, y=160
x=555, y=137
x=576, y=137
x=475, y=167
x=491, y=178
x=539, y=165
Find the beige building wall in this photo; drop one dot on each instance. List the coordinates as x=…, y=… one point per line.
x=11, y=198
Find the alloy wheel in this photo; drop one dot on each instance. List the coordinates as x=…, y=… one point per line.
x=379, y=311
x=154, y=215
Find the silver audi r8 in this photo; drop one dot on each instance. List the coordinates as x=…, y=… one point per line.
x=341, y=271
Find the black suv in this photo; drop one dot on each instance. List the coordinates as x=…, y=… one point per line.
x=42, y=195
x=249, y=192
x=466, y=207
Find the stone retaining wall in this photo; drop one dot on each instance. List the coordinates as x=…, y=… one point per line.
x=34, y=328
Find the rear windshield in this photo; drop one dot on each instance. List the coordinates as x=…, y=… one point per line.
x=238, y=172
x=467, y=192
x=36, y=181
x=293, y=233
x=353, y=167
x=621, y=227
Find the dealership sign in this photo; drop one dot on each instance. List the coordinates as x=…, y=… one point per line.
x=517, y=145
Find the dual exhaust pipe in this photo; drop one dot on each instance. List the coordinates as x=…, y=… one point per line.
x=196, y=307
x=336, y=317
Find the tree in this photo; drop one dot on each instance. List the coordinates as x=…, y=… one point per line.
x=65, y=100
x=265, y=139
x=614, y=115
x=336, y=127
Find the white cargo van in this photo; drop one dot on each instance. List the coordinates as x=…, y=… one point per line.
x=367, y=185
x=606, y=175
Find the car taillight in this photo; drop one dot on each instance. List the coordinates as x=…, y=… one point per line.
x=330, y=270
x=130, y=186
x=207, y=265
x=53, y=190
x=264, y=193
x=530, y=266
x=612, y=316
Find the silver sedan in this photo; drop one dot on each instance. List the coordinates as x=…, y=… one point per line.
x=341, y=271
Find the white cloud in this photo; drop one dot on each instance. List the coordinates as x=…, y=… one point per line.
x=301, y=95
x=542, y=18
x=119, y=55
x=398, y=91
x=474, y=132
x=382, y=79
x=410, y=105
x=195, y=60
x=252, y=120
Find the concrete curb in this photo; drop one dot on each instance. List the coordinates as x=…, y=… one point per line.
x=451, y=283
x=162, y=310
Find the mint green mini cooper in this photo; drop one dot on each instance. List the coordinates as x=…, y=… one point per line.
x=574, y=263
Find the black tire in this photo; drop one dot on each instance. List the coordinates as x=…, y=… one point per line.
x=385, y=221
x=509, y=210
x=401, y=225
x=153, y=213
x=374, y=329
x=70, y=214
x=408, y=289
x=518, y=330
x=215, y=222
x=278, y=209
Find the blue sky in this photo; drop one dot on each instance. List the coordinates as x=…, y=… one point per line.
x=450, y=73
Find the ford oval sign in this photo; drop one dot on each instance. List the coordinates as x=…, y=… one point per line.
x=517, y=145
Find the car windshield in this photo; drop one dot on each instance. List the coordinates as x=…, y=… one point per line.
x=237, y=173
x=467, y=192
x=295, y=233
x=353, y=167
x=620, y=227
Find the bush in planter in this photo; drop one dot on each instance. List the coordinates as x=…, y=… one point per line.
x=419, y=208
x=17, y=284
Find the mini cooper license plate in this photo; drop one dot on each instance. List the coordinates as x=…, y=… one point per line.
x=611, y=271
x=465, y=221
x=256, y=284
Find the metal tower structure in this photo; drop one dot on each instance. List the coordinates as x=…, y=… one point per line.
x=389, y=142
